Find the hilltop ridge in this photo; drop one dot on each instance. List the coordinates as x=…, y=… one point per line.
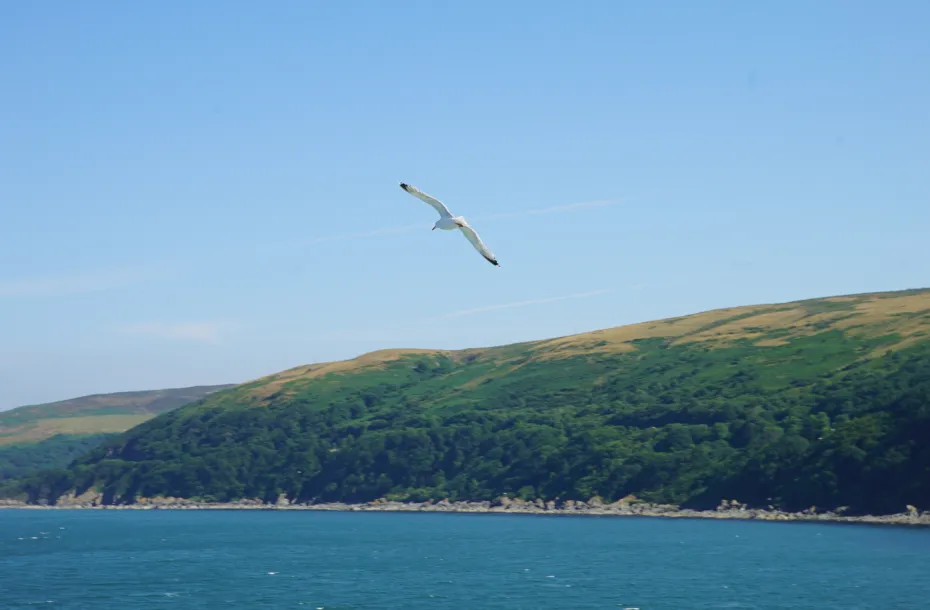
x=905, y=314
x=815, y=402
x=94, y=413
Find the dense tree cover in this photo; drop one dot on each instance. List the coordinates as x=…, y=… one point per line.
x=826, y=419
x=55, y=452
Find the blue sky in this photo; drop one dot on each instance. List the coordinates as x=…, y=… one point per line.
x=207, y=192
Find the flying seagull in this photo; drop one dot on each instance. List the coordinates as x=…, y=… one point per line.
x=448, y=222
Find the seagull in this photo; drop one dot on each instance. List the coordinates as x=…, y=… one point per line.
x=448, y=222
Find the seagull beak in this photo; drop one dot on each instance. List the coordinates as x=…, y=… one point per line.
x=433, y=229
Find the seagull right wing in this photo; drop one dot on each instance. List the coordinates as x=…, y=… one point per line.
x=435, y=203
x=472, y=236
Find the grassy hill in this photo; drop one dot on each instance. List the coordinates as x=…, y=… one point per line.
x=820, y=402
x=52, y=434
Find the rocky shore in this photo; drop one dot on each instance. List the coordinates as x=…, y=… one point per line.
x=731, y=509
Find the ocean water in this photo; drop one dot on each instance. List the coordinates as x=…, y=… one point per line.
x=333, y=561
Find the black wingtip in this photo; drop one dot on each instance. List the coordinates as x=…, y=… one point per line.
x=492, y=261
x=403, y=185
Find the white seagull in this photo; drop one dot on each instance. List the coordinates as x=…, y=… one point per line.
x=448, y=222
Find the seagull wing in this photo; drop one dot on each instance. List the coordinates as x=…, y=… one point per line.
x=437, y=205
x=472, y=236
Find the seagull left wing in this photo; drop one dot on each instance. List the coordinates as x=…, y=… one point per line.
x=435, y=203
x=472, y=236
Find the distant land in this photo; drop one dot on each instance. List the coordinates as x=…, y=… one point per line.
x=50, y=435
x=821, y=404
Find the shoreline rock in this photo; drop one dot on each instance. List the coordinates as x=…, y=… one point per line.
x=504, y=505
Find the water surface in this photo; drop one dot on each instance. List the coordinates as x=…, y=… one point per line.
x=269, y=559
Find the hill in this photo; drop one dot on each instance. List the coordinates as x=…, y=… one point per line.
x=820, y=402
x=51, y=435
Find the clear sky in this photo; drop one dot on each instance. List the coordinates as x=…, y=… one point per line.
x=206, y=192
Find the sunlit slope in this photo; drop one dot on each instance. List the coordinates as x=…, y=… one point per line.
x=821, y=402
x=848, y=328
x=92, y=415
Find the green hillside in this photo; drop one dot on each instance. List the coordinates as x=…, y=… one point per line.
x=822, y=402
x=17, y=461
x=51, y=435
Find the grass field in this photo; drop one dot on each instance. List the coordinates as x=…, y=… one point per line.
x=75, y=426
x=95, y=414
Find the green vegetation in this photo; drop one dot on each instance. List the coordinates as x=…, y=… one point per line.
x=51, y=435
x=821, y=402
x=56, y=452
x=95, y=414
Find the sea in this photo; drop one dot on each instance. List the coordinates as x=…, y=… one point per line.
x=336, y=561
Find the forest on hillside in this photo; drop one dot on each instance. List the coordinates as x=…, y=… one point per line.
x=58, y=451
x=811, y=422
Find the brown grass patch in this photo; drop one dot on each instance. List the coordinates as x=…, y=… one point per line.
x=883, y=316
x=736, y=329
x=714, y=327
x=877, y=310
x=618, y=339
x=92, y=424
x=771, y=342
x=274, y=383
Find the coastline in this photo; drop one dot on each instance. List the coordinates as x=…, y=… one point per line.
x=593, y=508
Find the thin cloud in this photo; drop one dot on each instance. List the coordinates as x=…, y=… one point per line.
x=518, y=214
x=208, y=331
x=65, y=284
x=108, y=279
x=361, y=234
x=412, y=330
x=552, y=209
x=515, y=304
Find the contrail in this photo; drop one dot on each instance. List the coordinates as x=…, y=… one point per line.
x=514, y=304
x=400, y=331
x=372, y=233
x=106, y=279
x=402, y=229
x=550, y=210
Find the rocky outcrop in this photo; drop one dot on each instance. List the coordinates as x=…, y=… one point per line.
x=89, y=499
x=625, y=507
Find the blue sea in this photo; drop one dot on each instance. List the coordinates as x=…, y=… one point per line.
x=335, y=561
